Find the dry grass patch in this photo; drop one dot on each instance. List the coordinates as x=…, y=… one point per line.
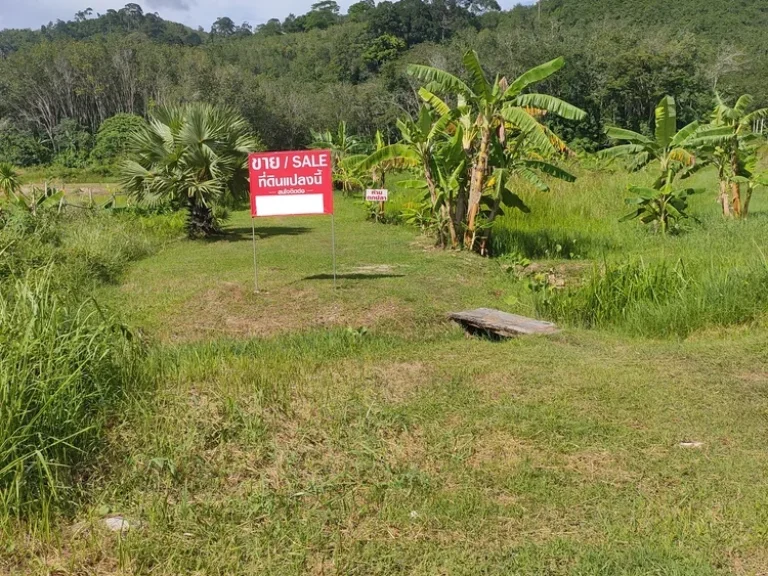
x=230, y=309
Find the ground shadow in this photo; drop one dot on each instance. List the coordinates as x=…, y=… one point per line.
x=353, y=276
x=244, y=233
x=547, y=244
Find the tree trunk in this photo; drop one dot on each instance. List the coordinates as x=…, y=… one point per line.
x=476, y=187
x=747, y=199
x=433, y=197
x=723, y=198
x=735, y=186
x=200, y=221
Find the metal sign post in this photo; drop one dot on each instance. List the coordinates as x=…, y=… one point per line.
x=333, y=247
x=291, y=183
x=255, y=262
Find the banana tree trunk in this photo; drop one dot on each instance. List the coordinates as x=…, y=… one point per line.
x=448, y=217
x=479, y=168
x=747, y=200
x=487, y=235
x=722, y=198
x=735, y=186
x=433, y=197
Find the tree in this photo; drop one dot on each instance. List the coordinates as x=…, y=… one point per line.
x=383, y=49
x=735, y=154
x=192, y=156
x=360, y=11
x=322, y=15
x=346, y=150
x=114, y=137
x=419, y=148
x=224, y=27
x=494, y=105
x=669, y=147
x=273, y=27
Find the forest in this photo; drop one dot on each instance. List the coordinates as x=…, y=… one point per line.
x=59, y=84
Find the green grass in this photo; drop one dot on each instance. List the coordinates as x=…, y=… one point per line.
x=63, y=367
x=306, y=430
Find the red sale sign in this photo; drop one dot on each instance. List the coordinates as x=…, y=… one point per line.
x=291, y=183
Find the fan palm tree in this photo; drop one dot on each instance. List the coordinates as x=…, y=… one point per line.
x=494, y=105
x=192, y=156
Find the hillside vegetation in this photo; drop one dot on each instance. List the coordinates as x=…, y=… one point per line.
x=59, y=84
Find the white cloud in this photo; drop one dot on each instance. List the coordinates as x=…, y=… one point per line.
x=34, y=13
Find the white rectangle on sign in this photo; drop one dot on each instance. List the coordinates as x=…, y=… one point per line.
x=290, y=204
x=376, y=195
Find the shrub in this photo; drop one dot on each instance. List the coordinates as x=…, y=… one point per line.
x=64, y=367
x=113, y=137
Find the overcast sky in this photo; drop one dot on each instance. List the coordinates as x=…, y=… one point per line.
x=34, y=13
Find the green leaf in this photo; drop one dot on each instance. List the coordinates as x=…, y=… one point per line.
x=643, y=192
x=744, y=102
x=412, y=184
x=532, y=76
x=666, y=121
x=447, y=82
x=683, y=135
x=552, y=105
x=621, y=151
x=389, y=153
x=551, y=170
x=436, y=102
x=616, y=133
x=632, y=215
x=535, y=132
x=480, y=84
x=533, y=178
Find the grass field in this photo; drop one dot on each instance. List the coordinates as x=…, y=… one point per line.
x=307, y=430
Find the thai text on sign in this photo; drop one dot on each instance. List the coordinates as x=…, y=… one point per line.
x=291, y=183
x=372, y=195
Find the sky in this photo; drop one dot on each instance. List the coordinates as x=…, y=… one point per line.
x=34, y=13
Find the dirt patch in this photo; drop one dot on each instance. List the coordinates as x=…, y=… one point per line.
x=751, y=563
x=229, y=309
x=78, y=193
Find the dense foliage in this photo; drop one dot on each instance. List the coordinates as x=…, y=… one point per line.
x=59, y=84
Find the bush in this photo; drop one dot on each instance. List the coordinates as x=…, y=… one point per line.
x=659, y=299
x=113, y=136
x=64, y=367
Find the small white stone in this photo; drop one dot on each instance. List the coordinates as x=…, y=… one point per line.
x=414, y=514
x=117, y=524
x=691, y=444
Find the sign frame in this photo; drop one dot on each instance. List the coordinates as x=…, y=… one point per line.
x=291, y=183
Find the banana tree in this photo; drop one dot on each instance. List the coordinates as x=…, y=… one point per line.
x=664, y=207
x=670, y=147
x=494, y=104
x=419, y=148
x=733, y=126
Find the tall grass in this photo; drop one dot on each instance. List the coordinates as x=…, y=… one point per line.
x=660, y=299
x=64, y=367
x=65, y=364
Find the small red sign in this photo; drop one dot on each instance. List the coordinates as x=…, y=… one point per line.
x=291, y=183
